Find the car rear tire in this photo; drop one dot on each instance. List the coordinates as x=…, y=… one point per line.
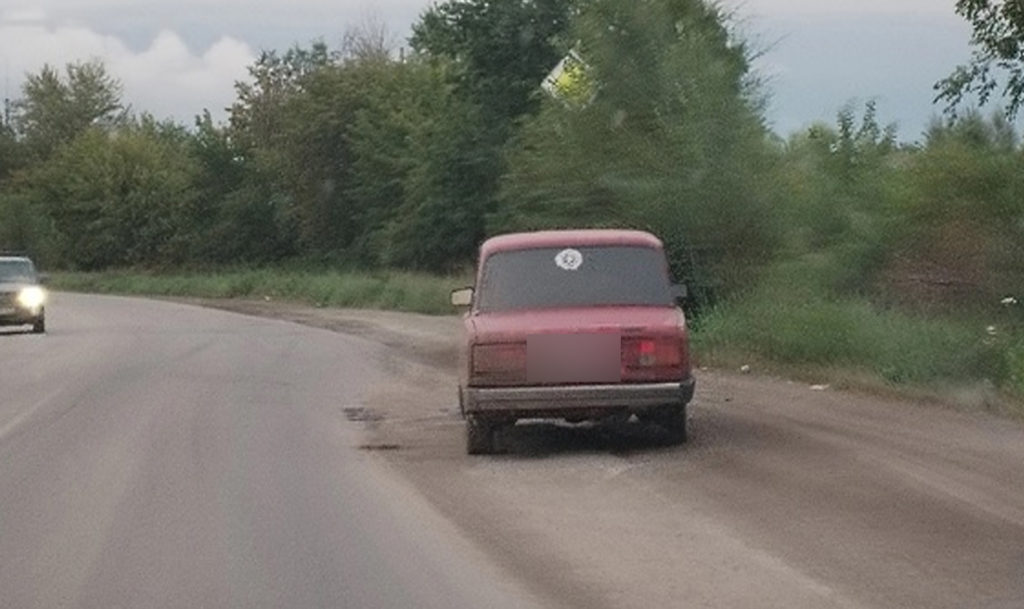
x=479, y=436
x=674, y=422
x=39, y=326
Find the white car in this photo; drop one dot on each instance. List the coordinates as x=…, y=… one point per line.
x=22, y=297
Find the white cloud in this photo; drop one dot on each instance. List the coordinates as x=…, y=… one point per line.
x=167, y=79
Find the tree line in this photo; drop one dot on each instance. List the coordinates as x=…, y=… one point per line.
x=363, y=158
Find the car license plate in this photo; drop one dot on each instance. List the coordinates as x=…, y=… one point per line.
x=574, y=358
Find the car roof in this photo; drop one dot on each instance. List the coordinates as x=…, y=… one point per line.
x=568, y=238
x=14, y=259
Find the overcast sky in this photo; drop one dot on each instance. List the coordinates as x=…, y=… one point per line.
x=176, y=58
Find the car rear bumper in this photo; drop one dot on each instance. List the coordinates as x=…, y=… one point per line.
x=583, y=401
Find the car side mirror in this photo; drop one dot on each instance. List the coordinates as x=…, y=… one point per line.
x=679, y=293
x=463, y=297
x=43, y=279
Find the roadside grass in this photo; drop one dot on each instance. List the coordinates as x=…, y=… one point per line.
x=399, y=291
x=899, y=348
x=791, y=326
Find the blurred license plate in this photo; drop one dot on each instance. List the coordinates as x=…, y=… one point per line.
x=574, y=358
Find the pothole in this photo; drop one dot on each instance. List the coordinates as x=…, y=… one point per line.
x=380, y=447
x=361, y=414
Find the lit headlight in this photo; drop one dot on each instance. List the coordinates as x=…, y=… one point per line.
x=32, y=297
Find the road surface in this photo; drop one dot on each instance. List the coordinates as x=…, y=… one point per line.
x=157, y=455
x=160, y=455
x=786, y=497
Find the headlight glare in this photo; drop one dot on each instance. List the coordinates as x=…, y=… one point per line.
x=32, y=297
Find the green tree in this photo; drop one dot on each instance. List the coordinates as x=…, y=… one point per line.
x=238, y=214
x=256, y=116
x=24, y=229
x=55, y=109
x=366, y=147
x=673, y=142
x=12, y=156
x=501, y=51
x=385, y=137
x=385, y=167
x=262, y=153
x=447, y=190
x=314, y=158
x=496, y=54
x=838, y=187
x=120, y=198
x=998, y=41
x=960, y=228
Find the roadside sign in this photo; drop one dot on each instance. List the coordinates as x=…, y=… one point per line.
x=571, y=81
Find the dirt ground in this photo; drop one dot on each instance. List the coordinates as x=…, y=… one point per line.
x=786, y=496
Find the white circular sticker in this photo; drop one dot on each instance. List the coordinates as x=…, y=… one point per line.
x=569, y=260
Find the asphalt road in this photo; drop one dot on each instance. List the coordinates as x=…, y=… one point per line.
x=159, y=455
x=785, y=497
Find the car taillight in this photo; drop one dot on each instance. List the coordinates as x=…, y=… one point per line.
x=499, y=363
x=652, y=352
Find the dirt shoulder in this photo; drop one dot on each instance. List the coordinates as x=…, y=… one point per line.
x=785, y=497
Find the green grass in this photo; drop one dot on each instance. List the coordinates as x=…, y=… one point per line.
x=897, y=347
x=792, y=325
x=411, y=292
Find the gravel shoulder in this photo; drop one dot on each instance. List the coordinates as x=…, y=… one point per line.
x=785, y=497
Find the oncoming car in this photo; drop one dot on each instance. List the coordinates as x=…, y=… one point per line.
x=22, y=298
x=574, y=325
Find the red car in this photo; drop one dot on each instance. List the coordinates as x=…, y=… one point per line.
x=575, y=325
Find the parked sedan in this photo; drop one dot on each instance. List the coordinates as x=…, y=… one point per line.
x=574, y=325
x=22, y=298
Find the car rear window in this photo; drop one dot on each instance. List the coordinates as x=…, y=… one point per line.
x=574, y=277
x=17, y=270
